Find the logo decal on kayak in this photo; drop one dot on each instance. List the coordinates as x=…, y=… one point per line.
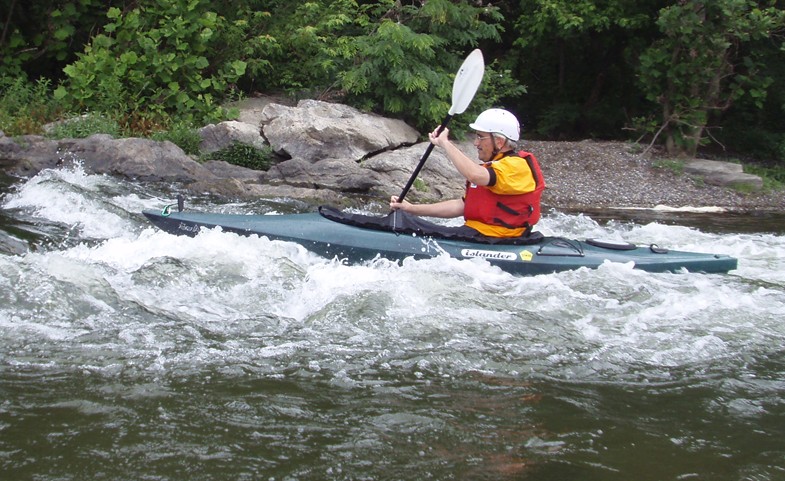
x=188, y=228
x=526, y=256
x=502, y=256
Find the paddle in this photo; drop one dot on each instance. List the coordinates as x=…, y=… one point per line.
x=465, y=85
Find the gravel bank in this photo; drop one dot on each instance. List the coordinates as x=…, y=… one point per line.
x=598, y=174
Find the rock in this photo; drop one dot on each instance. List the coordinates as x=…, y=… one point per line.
x=251, y=108
x=326, y=143
x=342, y=175
x=314, y=130
x=438, y=179
x=132, y=158
x=29, y=154
x=726, y=174
x=225, y=170
x=220, y=136
x=136, y=158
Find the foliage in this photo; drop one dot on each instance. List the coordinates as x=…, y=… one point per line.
x=674, y=165
x=393, y=58
x=244, y=155
x=420, y=185
x=773, y=177
x=84, y=126
x=404, y=62
x=701, y=64
x=682, y=70
x=38, y=38
x=26, y=106
x=305, y=44
x=153, y=58
x=578, y=58
x=183, y=134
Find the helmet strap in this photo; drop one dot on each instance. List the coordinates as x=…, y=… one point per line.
x=495, y=149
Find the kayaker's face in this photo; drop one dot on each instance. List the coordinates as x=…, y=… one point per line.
x=484, y=143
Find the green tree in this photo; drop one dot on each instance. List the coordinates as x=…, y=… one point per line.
x=391, y=57
x=403, y=61
x=37, y=39
x=578, y=58
x=155, y=60
x=703, y=63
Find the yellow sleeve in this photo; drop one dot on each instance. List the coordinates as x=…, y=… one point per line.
x=513, y=176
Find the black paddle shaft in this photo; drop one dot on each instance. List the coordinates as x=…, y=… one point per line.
x=422, y=160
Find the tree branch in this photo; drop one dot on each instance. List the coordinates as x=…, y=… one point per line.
x=7, y=22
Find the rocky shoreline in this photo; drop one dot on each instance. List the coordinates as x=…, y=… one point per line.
x=332, y=153
x=599, y=174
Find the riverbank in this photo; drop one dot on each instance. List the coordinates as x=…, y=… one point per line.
x=582, y=175
x=599, y=174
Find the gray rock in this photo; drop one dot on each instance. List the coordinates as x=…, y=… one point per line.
x=437, y=180
x=727, y=174
x=219, y=136
x=136, y=158
x=29, y=154
x=251, y=108
x=314, y=130
x=225, y=170
x=132, y=158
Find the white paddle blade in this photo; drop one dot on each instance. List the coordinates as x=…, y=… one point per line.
x=467, y=81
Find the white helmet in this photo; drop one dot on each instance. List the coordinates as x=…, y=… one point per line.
x=498, y=121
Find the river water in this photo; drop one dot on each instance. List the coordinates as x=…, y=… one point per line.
x=130, y=354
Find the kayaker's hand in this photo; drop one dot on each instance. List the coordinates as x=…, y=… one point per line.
x=439, y=139
x=395, y=205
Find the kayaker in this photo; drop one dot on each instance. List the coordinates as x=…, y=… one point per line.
x=503, y=192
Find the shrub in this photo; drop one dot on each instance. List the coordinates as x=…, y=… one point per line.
x=84, y=126
x=244, y=155
x=26, y=106
x=153, y=59
x=182, y=134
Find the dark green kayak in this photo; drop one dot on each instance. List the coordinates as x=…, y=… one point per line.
x=330, y=239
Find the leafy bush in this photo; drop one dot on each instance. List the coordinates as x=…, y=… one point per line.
x=404, y=62
x=26, y=106
x=559, y=118
x=182, y=134
x=392, y=58
x=39, y=38
x=153, y=59
x=244, y=155
x=701, y=65
x=773, y=177
x=84, y=126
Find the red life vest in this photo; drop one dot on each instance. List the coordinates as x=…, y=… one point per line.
x=509, y=211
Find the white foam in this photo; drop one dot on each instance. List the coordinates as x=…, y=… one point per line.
x=70, y=196
x=686, y=208
x=150, y=302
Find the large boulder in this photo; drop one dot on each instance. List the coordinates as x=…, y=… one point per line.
x=727, y=174
x=142, y=159
x=315, y=130
x=222, y=135
x=27, y=155
x=438, y=179
x=132, y=158
x=250, y=109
